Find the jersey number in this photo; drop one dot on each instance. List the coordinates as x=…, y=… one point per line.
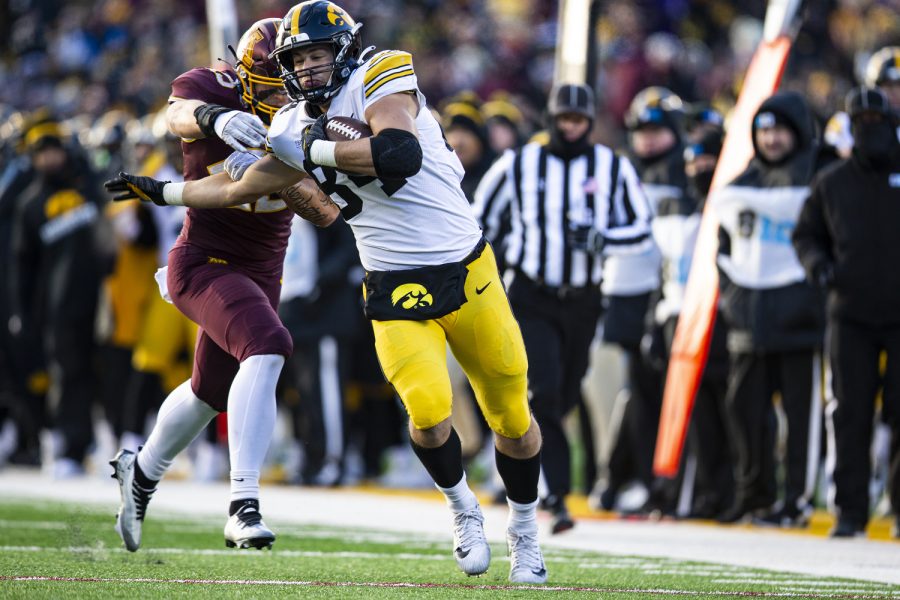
x=326, y=177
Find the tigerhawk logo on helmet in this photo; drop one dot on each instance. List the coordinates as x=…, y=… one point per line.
x=313, y=23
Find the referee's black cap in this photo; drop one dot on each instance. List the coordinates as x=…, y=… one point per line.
x=571, y=98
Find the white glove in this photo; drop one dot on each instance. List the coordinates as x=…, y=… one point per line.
x=238, y=162
x=240, y=130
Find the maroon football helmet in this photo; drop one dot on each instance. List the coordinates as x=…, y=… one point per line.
x=255, y=68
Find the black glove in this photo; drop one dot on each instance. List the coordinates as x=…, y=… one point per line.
x=823, y=275
x=653, y=348
x=313, y=132
x=132, y=187
x=586, y=238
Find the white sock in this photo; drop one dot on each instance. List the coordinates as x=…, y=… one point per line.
x=459, y=497
x=522, y=517
x=181, y=417
x=251, y=421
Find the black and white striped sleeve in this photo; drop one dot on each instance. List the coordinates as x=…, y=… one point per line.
x=493, y=197
x=628, y=226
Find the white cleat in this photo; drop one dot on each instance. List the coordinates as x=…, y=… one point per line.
x=470, y=547
x=526, y=563
x=246, y=529
x=130, y=517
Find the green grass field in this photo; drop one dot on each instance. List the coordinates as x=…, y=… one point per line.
x=56, y=551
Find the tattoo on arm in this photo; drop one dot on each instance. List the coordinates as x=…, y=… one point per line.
x=307, y=200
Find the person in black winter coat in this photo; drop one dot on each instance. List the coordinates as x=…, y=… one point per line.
x=847, y=240
x=61, y=251
x=775, y=318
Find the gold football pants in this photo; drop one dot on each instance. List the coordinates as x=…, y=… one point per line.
x=486, y=340
x=166, y=337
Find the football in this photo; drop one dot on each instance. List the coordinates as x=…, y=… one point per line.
x=346, y=129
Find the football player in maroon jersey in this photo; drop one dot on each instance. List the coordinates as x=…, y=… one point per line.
x=224, y=273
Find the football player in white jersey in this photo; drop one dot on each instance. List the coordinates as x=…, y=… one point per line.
x=431, y=279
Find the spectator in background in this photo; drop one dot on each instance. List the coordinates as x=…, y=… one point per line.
x=775, y=318
x=712, y=490
x=61, y=250
x=504, y=122
x=883, y=72
x=846, y=239
x=700, y=119
x=23, y=378
x=464, y=129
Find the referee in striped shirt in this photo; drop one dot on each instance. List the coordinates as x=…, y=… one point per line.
x=554, y=209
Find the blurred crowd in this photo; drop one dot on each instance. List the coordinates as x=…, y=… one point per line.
x=83, y=87
x=82, y=59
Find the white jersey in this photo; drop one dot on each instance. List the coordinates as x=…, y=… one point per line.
x=760, y=222
x=421, y=221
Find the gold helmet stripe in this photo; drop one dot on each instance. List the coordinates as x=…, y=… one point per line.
x=295, y=20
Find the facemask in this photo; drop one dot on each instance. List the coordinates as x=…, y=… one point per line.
x=875, y=142
x=701, y=182
x=560, y=147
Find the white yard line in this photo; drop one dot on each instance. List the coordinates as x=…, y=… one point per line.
x=861, y=559
x=407, y=585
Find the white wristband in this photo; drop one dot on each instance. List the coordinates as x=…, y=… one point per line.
x=321, y=152
x=172, y=193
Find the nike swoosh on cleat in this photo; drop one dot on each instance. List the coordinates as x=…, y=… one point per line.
x=236, y=479
x=462, y=553
x=479, y=290
x=539, y=572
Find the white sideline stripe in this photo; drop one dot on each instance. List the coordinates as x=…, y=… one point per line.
x=376, y=584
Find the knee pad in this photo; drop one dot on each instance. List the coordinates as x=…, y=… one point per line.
x=511, y=418
x=426, y=407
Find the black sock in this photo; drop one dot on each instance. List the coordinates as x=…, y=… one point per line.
x=142, y=480
x=237, y=504
x=520, y=476
x=443, y=463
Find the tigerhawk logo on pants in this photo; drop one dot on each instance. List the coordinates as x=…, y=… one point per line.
x=411, y=295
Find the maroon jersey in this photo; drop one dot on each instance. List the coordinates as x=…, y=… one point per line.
x=253, y=236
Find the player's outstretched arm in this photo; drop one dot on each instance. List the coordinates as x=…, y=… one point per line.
x=392, y=153
x=311, y=203
x=267, y=176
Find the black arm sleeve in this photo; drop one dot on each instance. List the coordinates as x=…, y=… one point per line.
x=206, y=115
x=396, y=154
